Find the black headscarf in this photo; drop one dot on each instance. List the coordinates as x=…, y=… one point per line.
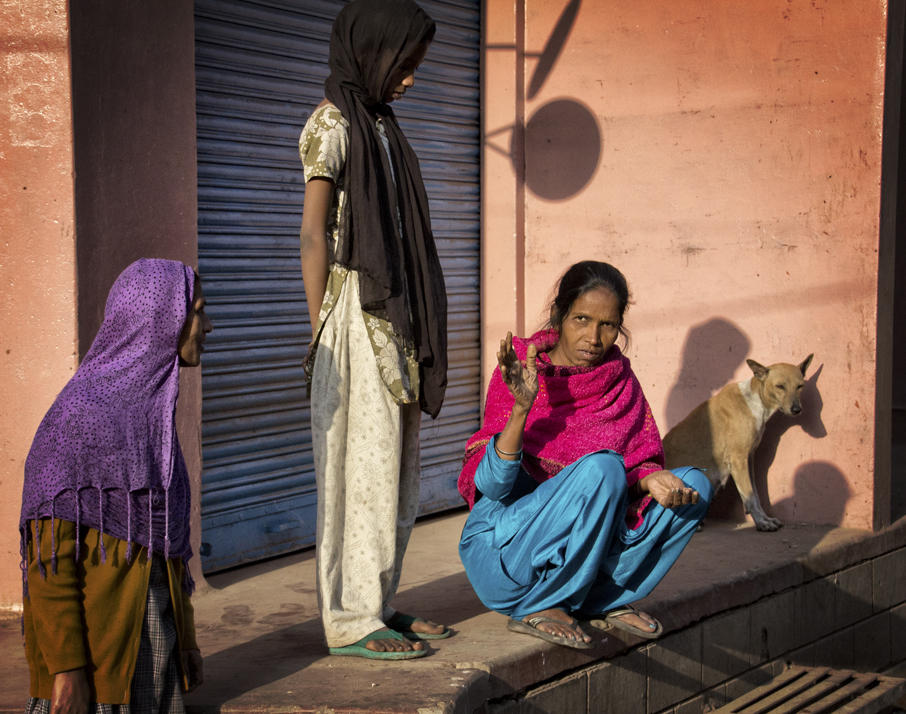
x=400, y=278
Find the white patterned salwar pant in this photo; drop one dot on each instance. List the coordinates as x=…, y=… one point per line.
x=366, y=455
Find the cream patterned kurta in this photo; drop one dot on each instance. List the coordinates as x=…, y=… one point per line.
x=322, y=147
x=365, y=428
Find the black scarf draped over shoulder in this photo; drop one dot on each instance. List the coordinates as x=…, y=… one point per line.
x=400, y=278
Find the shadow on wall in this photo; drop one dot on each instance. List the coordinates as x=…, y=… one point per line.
x=559, y=145
x=819, y=489
x=562, y=149
x=711, y=354
x=553, y=47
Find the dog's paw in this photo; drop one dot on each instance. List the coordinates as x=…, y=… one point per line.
x=766, y=523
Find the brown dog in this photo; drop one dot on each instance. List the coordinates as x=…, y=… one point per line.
x=720, y=435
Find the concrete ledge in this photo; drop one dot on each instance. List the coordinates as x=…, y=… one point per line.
x=735, y=602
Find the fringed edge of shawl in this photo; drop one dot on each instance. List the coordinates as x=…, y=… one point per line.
x=25, y=535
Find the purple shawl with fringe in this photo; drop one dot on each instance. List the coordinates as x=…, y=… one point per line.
x=578, y=410
x=106, y=454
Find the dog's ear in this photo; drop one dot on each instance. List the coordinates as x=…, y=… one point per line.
x=805, y=363
x=759, y=369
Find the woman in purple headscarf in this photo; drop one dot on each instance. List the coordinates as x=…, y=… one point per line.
x=105, y=511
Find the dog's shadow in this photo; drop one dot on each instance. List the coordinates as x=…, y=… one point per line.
x=727, y=503
x=705, y=370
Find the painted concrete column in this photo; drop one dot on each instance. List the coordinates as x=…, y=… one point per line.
x=502, y=200
x=38, y=351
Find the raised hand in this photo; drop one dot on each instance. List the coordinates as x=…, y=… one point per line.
x=521, y=380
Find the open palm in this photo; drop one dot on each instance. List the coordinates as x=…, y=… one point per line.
x=520, y=379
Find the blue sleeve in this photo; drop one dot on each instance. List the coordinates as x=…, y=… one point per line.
x=495, y=476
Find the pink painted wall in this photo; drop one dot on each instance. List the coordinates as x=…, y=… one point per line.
x=37, y=246
x=97, y=159
x=727, y=158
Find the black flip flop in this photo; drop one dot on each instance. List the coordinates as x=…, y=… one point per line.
x=611, y=619
x=530, y=627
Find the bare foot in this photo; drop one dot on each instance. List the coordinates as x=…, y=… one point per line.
x=565, y=625
x=427, y=627
x=401, y=622
x=394, y=645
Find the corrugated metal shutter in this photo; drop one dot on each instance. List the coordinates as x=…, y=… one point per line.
x=260, y=68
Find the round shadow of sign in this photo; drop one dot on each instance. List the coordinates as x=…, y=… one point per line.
x=562, y=149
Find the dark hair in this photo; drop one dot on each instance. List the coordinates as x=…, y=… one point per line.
x=578, y=280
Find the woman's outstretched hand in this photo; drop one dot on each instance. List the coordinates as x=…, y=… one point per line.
x=521, y=380
x=669, y=491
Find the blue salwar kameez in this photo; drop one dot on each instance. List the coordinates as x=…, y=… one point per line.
x=564, y=543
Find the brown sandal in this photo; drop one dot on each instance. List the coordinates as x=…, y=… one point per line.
x=530, y=627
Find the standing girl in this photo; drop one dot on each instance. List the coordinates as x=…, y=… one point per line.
x=377, y=305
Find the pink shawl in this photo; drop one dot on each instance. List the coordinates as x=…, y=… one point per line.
x=578, y=410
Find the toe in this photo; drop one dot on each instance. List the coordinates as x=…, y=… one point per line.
x=427, y=627
x=391, y=644
x=569, y=632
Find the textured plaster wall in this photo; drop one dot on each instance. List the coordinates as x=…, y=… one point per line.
x=97, y=163
x=727, y=157
x=37, y=248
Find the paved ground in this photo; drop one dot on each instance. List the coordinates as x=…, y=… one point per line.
x=261, y=636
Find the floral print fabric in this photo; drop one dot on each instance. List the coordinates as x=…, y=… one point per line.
x=323, y=148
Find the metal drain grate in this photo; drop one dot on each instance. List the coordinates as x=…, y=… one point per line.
x=819, y=690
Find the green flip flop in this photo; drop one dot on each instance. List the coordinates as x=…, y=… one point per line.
x=358, y=649
x=402, y=623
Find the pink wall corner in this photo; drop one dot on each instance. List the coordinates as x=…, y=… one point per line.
x=502, y=198
x=37, y=246
x=110, y=98
x=727, y=158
